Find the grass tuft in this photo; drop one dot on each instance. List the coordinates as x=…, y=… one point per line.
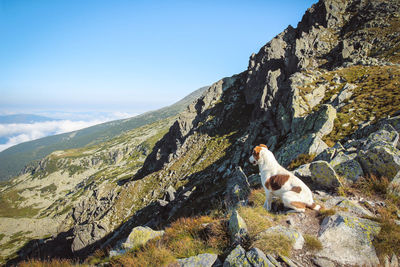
x=49, y=263
x=274, y=243
x=312, y=243
x=301, y=160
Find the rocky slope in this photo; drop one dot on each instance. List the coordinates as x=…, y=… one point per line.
x=326, y=94
x=14, y=159
x=38, y=204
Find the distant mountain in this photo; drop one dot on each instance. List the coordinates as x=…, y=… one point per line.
x=14, y=159
x=23, y=118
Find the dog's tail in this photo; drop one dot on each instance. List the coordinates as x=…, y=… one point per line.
x=314, y=206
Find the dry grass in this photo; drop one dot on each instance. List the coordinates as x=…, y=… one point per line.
x=192, y=236
x=387, y=241
x=255, y=216
x=326, y=212
x=312, y=243
x=274, y=243
x=49, y=263
x=152, y=254
x=256, y=219
x=301, y=160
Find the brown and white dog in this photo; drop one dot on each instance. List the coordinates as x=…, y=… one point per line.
x=277, y=181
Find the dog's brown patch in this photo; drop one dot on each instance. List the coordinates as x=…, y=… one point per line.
x=299, y=205
x=296, y=189
x=262, y=145
x=276, y=182
x=256, y=153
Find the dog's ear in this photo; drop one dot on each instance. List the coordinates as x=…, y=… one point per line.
x=256, y=152
x=262, y=145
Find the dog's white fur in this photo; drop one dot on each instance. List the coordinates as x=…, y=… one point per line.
x=270, y=167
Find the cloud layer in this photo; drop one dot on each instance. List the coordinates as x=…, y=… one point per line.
x=17, y=133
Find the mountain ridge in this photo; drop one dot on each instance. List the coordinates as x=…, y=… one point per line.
x=14, y=159
x=323, y=99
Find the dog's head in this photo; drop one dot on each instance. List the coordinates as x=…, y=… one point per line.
x=255, y=157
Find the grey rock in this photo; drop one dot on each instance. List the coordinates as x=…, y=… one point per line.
x=348, y=240
x=347, y=167
x=353, y=208
x=237, y=189
x=254, y=180
x=323, y=175
x=139, y=236
x=257, y=258
x=295, y=236
x=321, y=262
x=237, y=228
x=380, y=159
x=303, y=171
x=386, y=135
x=273, y=260
x=344, y=94
x=309, y=144
x=87, y=234
x=237, y=258
x=288, y=261
x=206, y=260
x=170, y=193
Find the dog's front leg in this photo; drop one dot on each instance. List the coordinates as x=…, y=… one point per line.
x=268, y=200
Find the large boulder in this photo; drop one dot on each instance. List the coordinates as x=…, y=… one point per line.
x=348, y=240
x=237, y=258
x=323, y=175
x=86, y=235
x=347, y=167
x=380, y=159
x=257, y=258
x=379, y=155
x=206, y=260
x=386, y=135
x=308, y=144
x=139, y=236
x=237, y=189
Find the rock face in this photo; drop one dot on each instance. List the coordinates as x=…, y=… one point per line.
x=139, y=236
x=87, y=234
x=206, y=260
x=237, y=228
x=348, y=240
x=324, y=175
x=380, y=155
x=237, y=189
x=237, y=258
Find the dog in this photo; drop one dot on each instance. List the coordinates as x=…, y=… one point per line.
x=277, y=181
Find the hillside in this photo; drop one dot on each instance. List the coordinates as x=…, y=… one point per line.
x=324, y=97
x=14, y=159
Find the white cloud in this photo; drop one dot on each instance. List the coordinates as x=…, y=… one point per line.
x=23, y=132
x=17, y=133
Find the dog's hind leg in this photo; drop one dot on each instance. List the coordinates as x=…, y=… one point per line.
x=291, y=203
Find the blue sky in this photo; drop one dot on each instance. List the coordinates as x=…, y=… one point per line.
x=127, y=56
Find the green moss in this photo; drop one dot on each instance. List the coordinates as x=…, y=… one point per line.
x=48, y=189
x=376, y=97
x=301, y=160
